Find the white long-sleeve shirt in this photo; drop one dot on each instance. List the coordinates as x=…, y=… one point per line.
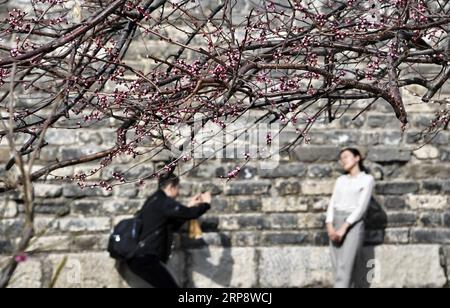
x=351, y=194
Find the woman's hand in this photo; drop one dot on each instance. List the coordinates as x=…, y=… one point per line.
x=331, y=233
x=340, y=234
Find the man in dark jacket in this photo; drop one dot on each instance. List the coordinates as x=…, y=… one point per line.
x=162, y=215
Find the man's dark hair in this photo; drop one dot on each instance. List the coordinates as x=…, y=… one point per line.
x=168, y=179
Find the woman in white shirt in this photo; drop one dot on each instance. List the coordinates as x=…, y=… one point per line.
x=345, y=216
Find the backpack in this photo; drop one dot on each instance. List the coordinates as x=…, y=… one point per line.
x=124, y=240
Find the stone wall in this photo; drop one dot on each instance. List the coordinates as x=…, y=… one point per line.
x=266, y=228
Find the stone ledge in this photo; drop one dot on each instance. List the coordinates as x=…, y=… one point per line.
x=396, y=266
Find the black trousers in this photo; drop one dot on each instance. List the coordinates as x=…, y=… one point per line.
x=153, y=271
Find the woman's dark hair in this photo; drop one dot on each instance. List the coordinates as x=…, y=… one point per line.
x=356, y=152
x=168, y=178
